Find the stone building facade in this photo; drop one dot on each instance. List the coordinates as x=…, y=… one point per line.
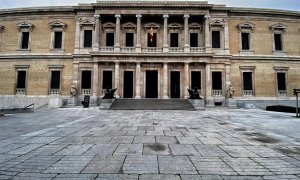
x=149, y=50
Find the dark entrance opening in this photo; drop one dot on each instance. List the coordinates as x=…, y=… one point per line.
x=151, y=84
x=281, y=81
x=110, y=39
x=247, y=77
x=217, y=80
x=174, y=39
x=21, y=79
x=128, y=84
x=129, y=39
x=86, y=79
x=175, y=84
x=194, y=39
x=55, y=80
x=151, y=39
x=196, y=79
x=107, y=80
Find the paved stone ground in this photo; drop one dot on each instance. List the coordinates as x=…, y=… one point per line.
x=93, y=144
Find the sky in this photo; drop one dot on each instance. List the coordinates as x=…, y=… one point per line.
x=271, y=4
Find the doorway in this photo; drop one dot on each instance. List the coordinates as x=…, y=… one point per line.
x=151, y=84
x=128, y=84
x=175, y=84
x=107, y=80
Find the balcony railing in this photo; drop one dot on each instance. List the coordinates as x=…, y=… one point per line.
x=282, y=93
x=217, y=92
x=54, y=91
x=197, y=49
x=176, y=49
x=85, y=91
x=106, y=49
x=128, y=49
x=248, y=92
x=20, y=91
x=152, y=49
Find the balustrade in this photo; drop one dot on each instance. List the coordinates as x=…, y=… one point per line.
x=20, y=91
x=217, y=92
x=54, y=91
x=85, y=91
x=248, y=92
x=282, y=93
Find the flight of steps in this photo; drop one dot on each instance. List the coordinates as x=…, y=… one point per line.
x=151, y=104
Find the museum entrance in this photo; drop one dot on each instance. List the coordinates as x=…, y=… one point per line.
x=175, y=84
x=151, y=84
x=128, y=84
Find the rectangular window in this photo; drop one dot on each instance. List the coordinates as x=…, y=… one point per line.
x=217, y=80
x=281, y=81
x=245, y=41
x=86, y=79
x=151, y=39
x=216, y=43
x=107, y=80
x=57, y=40
x=88, y=36
x=129, y=39
x=194, y=39
x=25, y=40
x=247, y=81
x=110, y=39
x=21, y=79
x=278, y=42
x=55, y=80
x=196, y=79
x=174, y=39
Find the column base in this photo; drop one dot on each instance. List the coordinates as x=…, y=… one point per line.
x=165, y=97
x=117, y=49
x=186, y=49
x=138, y=49
x=137, y=97
x=166, y=49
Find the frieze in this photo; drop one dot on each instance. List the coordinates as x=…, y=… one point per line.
x=153, y=58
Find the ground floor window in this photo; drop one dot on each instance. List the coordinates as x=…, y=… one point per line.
x=196, y=79
x=217, y=83
x=281, y=84
x=107, y=80
x=247, y=84
x=86, y=82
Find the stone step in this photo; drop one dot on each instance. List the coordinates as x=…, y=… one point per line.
x=151, y=104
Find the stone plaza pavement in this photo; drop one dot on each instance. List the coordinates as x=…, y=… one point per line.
x=216, y=143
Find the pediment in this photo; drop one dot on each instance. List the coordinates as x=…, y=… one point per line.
x=25, y=25
x=246, y=25
x=1, y=28
x=278, y=26
x=57, y=24
x=86, y=22
x=152, y=25
x=175, y=26
x=109, y=25
x=129, y=25
x=217, y=23
x=195, y=25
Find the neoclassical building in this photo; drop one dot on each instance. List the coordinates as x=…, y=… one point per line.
x=149, y=50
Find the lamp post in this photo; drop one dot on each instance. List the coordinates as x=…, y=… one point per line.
x=296, y=92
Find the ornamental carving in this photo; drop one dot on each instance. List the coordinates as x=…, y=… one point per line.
x=25, y=25
x=278, y=27
x=129, y=25
x=86, y=22
x=246, y=25
x=152, y=25
x=109, y=25
x=57, y=25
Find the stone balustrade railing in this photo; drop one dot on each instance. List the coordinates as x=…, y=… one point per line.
x=176, y=49
x=128, y=49
x=152, y=49
x=197, y=49
x=85, y=91
x=106, y=49
x=217, y=92
x=20, y=91
x=54, y=91
x=248, y=92
x=282, y=93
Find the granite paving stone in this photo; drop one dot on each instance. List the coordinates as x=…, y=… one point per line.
x=102, y=149
x=105, y=164
x=188, y=140
x=242, y=177
x=156, y=149
x=117, y=177
x=144, y=139
x=125, y=149
x=238, y=151
x=264, y=151
x=210, y=150
x=74, y=150
x=122, y=139
x=200, y=177
x=158, y=177
x=183, y=149
x=26, y=149
x=75, y=176
x=290, y=177
x=176, y=165
x=166, y=140
x=33, y=176
x=140, y=164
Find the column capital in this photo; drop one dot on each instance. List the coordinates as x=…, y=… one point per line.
x=118, y=15
x=166, y=16
x=97, y=16
x=186, y=16
x=138, y=16
x=206, y=17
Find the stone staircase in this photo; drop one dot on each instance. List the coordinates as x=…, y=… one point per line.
x=152, y=104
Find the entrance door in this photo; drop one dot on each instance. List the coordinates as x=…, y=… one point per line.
x=175, y=84
x=128, y=84
x=151, y=84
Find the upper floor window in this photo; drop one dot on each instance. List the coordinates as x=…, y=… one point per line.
x=57, y=35
x=86, y=33
x=24, y=35
x=129, y=30
x=247, y=73
x=88, y=38
x=245, y=36
x=129, y=39
x=195, y=30
x=152, y=33
x=216, y=41
x=109, y=34
x=193, y=39
x=278, y=31
x=217, y=34
x=110, y=38
x=174, y=34
x=174, y=39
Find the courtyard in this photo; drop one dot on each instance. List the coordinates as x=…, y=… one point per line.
x=217, y=143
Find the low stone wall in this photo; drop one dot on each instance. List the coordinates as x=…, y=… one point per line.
x=262, y=104
x=9, y=102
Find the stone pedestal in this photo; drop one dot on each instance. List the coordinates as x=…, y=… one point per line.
x=105, y=103
x=197, y=103
x=55, y=102
x=230, y=102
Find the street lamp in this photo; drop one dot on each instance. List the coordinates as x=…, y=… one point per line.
x=296, y=92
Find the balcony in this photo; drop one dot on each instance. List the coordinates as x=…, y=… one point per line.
x=217, y=92
x=20, y=91
x=106, y=49
x=152, y=49
x=176, y=49
x=197, y=49
x=248, y=92
x=282, y=93
x=128, y=49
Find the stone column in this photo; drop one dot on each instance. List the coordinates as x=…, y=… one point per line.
x=117, y=38
x=186, y=80
x=227, y=76
x=95, y=79
x=77, y=36
x=208, y=84
x=137, y=81
x=75, y=75
x=165, y=81
x=207, y=34
x=138, y=33
x=96, y=33
x=186, y=33
x=165, y=44
x=117, y=78
x=226, y=38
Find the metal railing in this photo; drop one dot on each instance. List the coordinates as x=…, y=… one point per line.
x=217, y=92
x=248, y=92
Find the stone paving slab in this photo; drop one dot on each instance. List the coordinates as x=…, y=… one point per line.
x=89, y=143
